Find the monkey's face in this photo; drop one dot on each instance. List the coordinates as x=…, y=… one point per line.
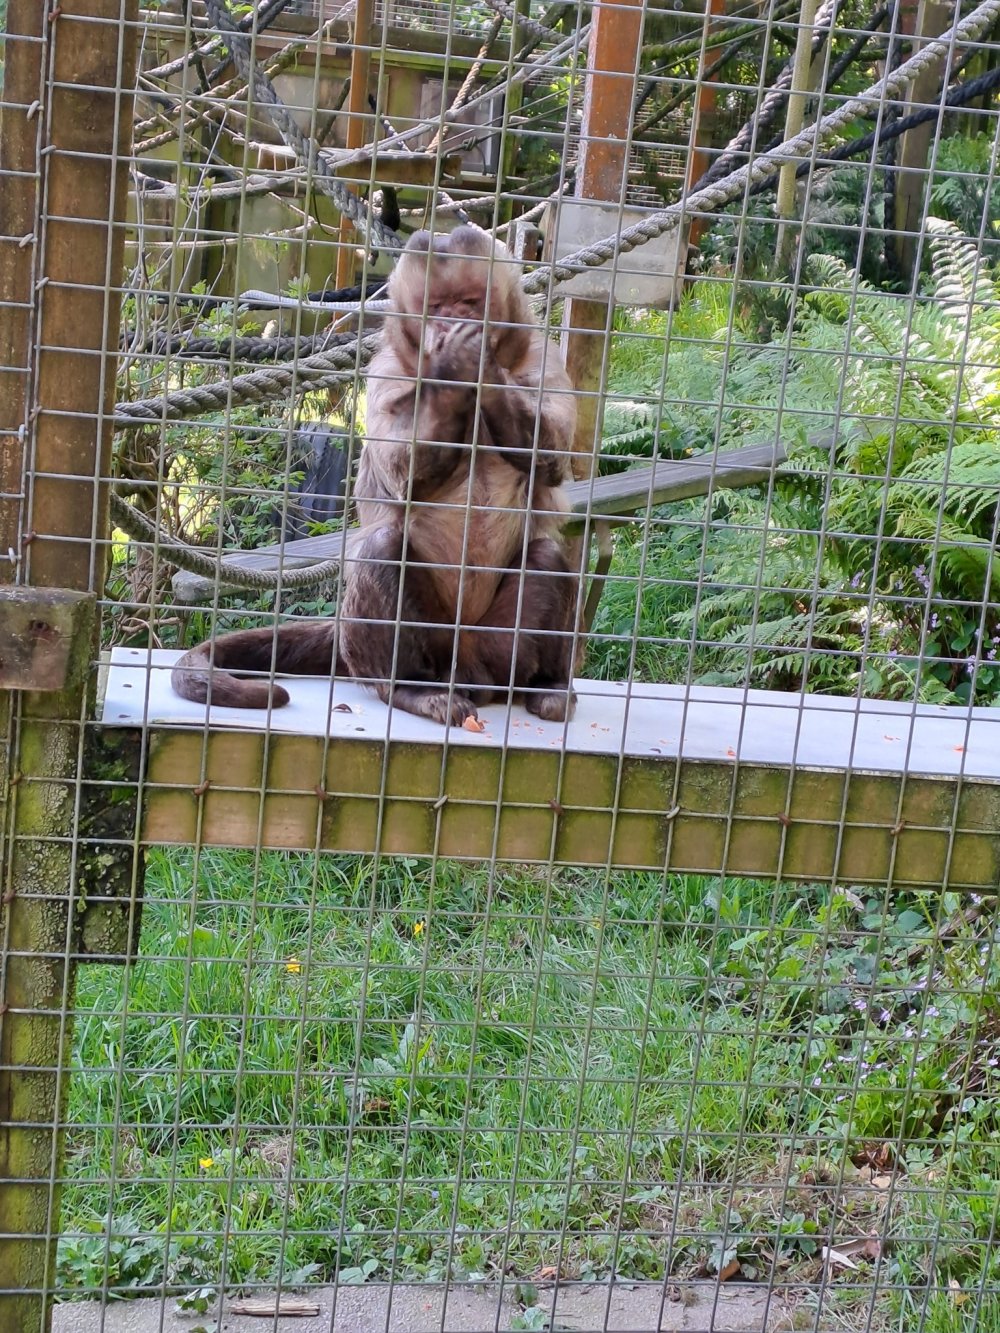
x=441, y=286
x=435, y=297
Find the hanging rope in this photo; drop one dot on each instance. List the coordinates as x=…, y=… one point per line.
x=322, y=371
x=301, y=144
x=196, y=560
x=521, y=21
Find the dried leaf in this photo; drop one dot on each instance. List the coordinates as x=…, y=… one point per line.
x=862, y=1247
x=851, y=897
x=837, y=1258
x=958, y=1296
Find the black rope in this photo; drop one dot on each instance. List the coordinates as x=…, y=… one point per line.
x=768, y=111
x=325, y=296
x=965, y=92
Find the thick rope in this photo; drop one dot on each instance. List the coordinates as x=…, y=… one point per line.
x=771, y=105
x=712, y=198
x=322, y=371
x=301, y=144
x=245, y=349
x=957, y=96
x=196, y=560
x=522, y=21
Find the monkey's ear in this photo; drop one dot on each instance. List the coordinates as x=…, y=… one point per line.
x=471, y=241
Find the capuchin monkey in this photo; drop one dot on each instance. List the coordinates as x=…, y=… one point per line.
x=459, y=588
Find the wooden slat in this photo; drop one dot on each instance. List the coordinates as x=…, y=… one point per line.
x=626, y=493
x=230, y=789
x=618, y=496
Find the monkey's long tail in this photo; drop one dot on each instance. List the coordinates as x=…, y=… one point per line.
x=205, y=674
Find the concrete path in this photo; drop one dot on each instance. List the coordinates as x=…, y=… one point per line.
x=637, y=1308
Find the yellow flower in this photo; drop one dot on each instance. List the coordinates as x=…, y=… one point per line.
x=418, y=928
x=294, y=966
x=206, y=1163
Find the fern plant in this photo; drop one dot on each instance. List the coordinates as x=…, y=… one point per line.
x=876, y=576
x=962, y=190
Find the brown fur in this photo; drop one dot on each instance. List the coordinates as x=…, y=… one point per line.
x=460, y=586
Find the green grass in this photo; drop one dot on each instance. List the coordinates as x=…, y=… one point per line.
x=317, y=1069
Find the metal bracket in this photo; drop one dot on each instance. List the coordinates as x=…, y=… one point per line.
x=37, y=628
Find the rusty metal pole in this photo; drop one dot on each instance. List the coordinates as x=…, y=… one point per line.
x=358, y=120
x=702, y=122
x=608, y=96
x=65, y=137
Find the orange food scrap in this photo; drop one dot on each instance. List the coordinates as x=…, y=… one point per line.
x=473, y=724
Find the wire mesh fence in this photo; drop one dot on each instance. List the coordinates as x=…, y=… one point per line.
x=434, y=998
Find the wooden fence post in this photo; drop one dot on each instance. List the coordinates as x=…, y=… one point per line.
x=65, y=138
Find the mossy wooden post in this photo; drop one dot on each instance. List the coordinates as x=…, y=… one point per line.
x=64, y=143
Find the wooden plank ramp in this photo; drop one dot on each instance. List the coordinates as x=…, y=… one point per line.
x=654, y=777
x=617, y=497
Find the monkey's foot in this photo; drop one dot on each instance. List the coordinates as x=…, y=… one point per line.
x=451, y=710
x=551, y=705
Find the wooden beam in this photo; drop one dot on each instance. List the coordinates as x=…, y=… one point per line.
x=802, y=76
x=621, y=495
x=931, y=20
x=692, y=780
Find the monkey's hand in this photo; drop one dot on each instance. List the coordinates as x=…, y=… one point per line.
x=514, y=413
x=457, y=355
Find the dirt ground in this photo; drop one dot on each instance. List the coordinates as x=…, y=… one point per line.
x=625, y=1308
